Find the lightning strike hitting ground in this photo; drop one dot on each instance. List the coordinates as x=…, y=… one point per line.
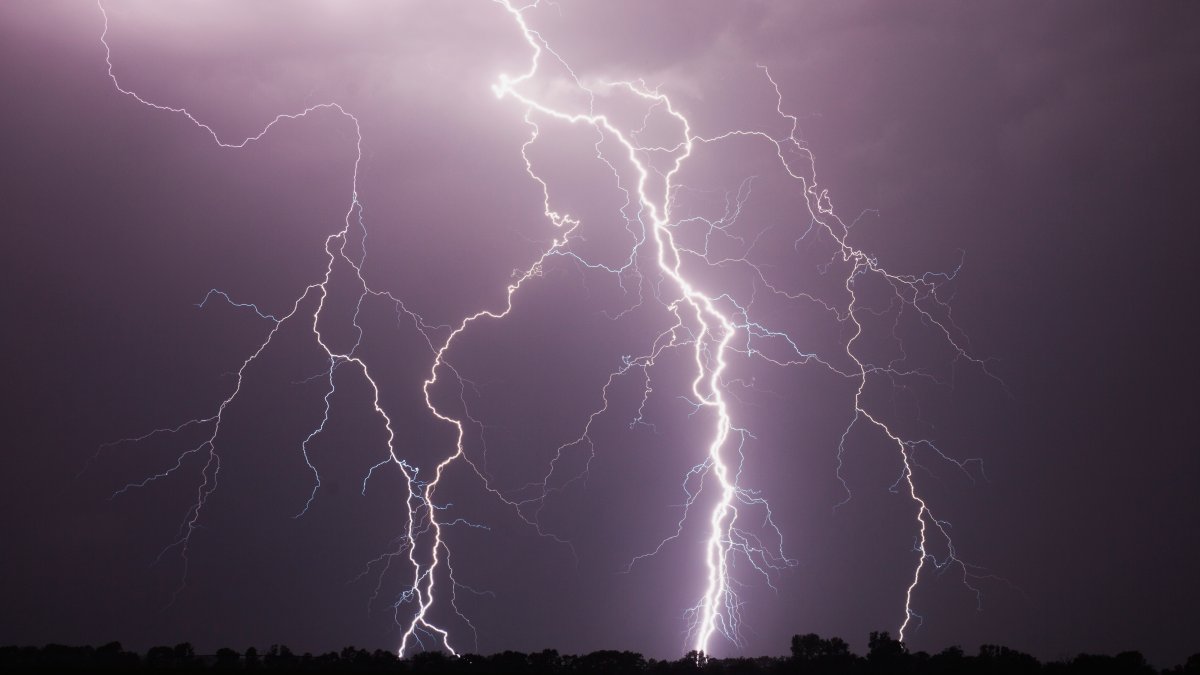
x=714, y=327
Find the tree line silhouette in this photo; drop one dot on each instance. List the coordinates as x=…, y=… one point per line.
x=810, y=655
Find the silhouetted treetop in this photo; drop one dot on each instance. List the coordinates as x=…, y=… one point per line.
x=810, y=655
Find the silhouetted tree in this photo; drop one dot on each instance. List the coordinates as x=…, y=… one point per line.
x=1134, y=663
x=810, y=655
x=113, y=658
x=949, y=661
x=887, y=655
x=545, y=662
x=1125, y=663
x=1003, y=661
x=609, y=661
x=279, y=657
x=227, y=659
x=329, y=661
x=385, y=659
x=506, y=662
x=160, y=658
x=813, y=654
x=811, y=647
x=431, y=663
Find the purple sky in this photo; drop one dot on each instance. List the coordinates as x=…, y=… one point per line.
x=1048, y=147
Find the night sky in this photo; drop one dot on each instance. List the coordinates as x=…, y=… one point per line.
x=1045, y=151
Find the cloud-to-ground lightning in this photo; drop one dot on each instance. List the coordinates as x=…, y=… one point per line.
x=714, y=328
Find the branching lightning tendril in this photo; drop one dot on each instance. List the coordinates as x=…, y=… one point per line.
x=713, y=328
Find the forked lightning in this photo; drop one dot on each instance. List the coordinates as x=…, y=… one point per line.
x=715, y=329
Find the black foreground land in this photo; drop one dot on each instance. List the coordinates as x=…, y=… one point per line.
x=810, y=654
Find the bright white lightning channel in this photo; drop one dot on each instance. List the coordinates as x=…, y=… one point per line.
x=712, y=327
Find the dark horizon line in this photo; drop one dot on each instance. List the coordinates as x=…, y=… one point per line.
x=809, y=653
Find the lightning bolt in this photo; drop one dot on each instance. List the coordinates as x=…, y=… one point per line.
x=714, y=328
x=420, y=512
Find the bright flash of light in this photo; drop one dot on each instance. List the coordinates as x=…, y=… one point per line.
x=712, y=327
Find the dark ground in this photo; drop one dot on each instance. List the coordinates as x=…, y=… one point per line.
x=809, y=654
